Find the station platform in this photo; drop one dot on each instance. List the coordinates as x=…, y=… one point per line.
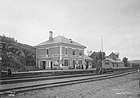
x=47, y=72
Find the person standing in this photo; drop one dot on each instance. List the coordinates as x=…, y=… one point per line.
x=9, y=72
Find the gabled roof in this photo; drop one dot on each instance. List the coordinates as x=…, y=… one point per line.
x=88, y=58
x=114, y=53
x=110, y=59
x=60, y=39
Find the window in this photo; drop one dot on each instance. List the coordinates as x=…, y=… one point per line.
x=80, y=53
x=106, y=63
x=66, y=62
x=80, y=62
x=47, y=51
x=42, y=64
x=73, y=52
x=113, y=64
x=66, y=51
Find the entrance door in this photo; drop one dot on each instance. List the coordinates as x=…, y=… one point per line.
x=87, y=64
x=74, y=62
x=44, y=64
x=51, y=65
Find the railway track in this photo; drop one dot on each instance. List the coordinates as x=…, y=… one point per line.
x=11, y=81
x=35, y=74
x=56, y=82
x=42, y=77
x=44, y=74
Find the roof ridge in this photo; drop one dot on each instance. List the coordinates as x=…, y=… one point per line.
x=61, y=39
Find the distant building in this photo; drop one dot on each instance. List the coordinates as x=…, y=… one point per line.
x=113, y=55
x=109, y=62
x=59, y=53
x=97, y=55
x=112, y=61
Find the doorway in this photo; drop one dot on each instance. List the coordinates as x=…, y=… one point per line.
x=44, y=64
x=51, y=65
x=74, y=62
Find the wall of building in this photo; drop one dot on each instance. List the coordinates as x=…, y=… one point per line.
x=49, y=57
x=107, y=64
x=72, y=57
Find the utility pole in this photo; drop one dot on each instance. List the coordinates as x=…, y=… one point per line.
x=101, y=42
x=101, y=48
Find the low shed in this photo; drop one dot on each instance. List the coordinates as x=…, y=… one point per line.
x=110, y=63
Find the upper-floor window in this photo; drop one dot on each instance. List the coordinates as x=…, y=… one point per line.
x=66, y=62
x=80, y=53
x=47, y=51
x=73, y=52
x=66, y=51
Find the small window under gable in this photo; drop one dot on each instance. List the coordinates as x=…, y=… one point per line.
x=106, y=63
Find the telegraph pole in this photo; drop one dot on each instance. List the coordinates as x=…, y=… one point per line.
x=101, y=42
x=101, y=46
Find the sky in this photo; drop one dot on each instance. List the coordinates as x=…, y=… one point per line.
x=84, y=21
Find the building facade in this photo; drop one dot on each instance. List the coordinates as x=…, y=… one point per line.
x=112, y=61
x=59, y=53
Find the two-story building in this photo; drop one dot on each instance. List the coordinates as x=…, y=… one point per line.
x=59, y=53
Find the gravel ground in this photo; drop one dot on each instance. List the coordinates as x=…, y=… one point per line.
x=120, y=87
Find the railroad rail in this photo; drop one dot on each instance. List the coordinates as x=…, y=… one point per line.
x=60, y=82
x=47, y=77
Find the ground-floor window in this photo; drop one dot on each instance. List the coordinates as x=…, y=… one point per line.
x=80, y=62
x=113, y=64
x=56, y=63
x=66, y=62
x=74, y=63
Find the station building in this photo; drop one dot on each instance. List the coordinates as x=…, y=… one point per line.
x=59, y=53
x=113, y=61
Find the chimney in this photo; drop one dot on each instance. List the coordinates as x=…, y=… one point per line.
x=50, y=35
x=70, y=40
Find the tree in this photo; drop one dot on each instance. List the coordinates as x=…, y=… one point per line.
x=125, y=60
x=97, y=57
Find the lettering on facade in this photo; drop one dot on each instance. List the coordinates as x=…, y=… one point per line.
x=42, y=56
x=48, y=55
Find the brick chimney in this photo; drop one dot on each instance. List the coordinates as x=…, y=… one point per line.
x=50, y=35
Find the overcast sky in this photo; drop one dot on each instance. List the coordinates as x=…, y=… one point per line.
x=29, y=21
